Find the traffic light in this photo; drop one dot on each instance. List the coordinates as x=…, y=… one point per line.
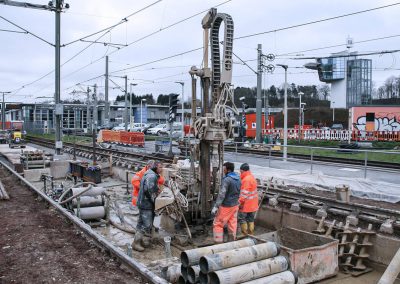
x=173, y=106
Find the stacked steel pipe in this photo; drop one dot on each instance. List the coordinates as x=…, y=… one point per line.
x=242, y=261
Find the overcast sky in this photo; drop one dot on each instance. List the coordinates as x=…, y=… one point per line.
x=24, y=58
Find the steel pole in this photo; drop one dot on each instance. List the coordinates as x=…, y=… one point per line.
x=88, y=115
x=57, y=77
x=130, y=107
x=285, y=120
x=126, y=104
x=95, y=113
x=259, y=101
x=299, y=117
x=141, y=112
x=107, y=104
x=183, y=111
x=3, y=114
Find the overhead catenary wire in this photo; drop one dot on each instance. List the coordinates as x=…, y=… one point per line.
x=352, y=55
x=122, y=21
x=108, y=54
x=289, y=27
x=26, y=31
x=313, y=22
x=317, y=21
x=11, y=31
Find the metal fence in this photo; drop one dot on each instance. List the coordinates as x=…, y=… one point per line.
x=39, y=127
x=366, y=158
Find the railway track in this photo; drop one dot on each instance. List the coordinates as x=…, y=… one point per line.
x=121, y=158
x=374, y=214
x=42, y=256
x=376, y=164
x=368, y=213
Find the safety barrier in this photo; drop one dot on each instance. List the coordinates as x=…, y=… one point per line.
x=338, y=135
x=123, y=137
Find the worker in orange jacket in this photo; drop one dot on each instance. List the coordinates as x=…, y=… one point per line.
x=226, y=205
x=138, y=177
x=248, y=200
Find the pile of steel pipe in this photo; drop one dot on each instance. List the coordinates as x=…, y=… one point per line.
x=236, y=262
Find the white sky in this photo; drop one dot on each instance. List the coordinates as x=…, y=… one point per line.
x=24, y=58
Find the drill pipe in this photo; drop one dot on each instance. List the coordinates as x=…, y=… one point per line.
x=286, y=277
x=231, y=258
x=249, y=271
x=192, y=257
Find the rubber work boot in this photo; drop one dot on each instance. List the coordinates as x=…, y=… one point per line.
x=231, y=237
x=136, y=245
x=244, y=228
x=251, y=228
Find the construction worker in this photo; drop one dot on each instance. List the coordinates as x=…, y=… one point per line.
x=138, y=177
x=146, y=200
x=248, y=200
x=226, y=206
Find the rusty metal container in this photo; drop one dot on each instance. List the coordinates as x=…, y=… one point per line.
x=312, y=257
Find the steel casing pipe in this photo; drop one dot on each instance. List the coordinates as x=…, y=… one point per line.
x=249, y=271
x=193, y=273
x=192, y=257
x=231, y=258
x=286, y=277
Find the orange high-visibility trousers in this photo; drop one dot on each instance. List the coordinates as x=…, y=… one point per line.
x=225, y=215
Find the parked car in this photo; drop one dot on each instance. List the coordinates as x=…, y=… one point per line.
x=176, y=130
x=138, y=127
x=337, y=126
x=148, y=126
x=156, y=130
x=120, y=127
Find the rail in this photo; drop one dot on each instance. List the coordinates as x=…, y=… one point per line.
x=365, y=160
x=100, y=240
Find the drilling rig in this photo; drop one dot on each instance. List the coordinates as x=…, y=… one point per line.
x=215, y=124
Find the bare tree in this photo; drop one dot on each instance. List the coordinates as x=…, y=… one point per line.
x=324, y=91
x=390, y=86
x=381, y=92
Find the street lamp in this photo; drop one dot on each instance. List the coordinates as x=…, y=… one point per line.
x=183, y=110
x=285, y=114
x=333, y=112
x=3, y=111
x=300, y=114
x=130, y=107
x=141, y=111
x=242, y=126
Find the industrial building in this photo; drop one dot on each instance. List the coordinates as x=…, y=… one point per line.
x=350, y=78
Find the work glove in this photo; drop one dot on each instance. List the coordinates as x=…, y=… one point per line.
x=214, y=211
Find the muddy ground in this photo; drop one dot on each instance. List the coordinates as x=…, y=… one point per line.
x=37, y=245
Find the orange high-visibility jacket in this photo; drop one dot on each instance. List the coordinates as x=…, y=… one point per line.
x=136, y=184
x=248, y=193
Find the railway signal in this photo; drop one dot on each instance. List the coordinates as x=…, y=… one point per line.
x=173, y=106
